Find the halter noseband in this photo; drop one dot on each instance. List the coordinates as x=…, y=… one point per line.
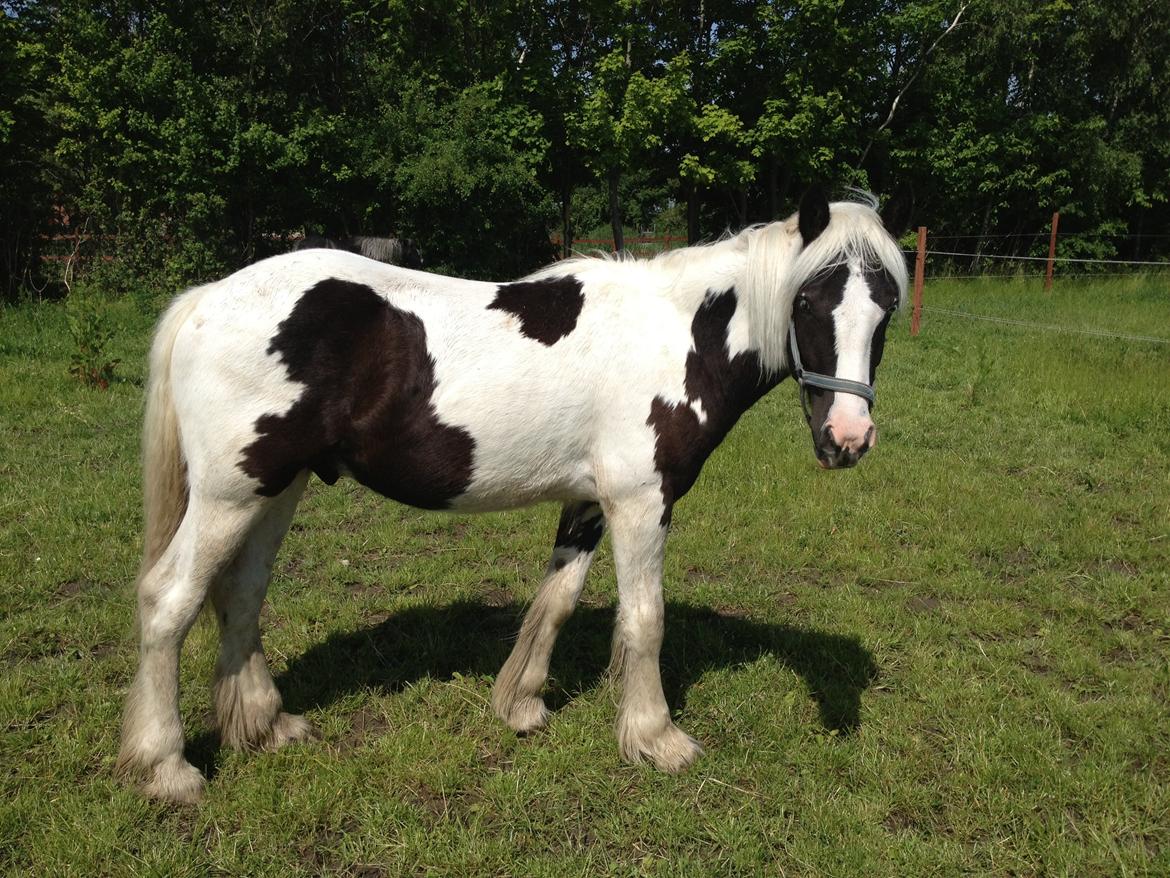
x=808, y=380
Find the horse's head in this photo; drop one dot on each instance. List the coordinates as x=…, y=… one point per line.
x=853, y=278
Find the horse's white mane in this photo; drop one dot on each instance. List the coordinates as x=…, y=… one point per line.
x=774, y=268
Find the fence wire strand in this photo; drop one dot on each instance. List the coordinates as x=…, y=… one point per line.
x=1049, y=327
x=1045, y=258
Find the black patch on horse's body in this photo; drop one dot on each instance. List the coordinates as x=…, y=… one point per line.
x=366, y=407
x=580, y=527
x=548, y=309
x=724, y=386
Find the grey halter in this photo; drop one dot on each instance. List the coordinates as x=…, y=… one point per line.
x=808, y=380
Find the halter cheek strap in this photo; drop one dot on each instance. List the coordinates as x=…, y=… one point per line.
x=809, y=380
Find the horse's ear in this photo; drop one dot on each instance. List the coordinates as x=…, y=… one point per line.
x=896, y=212
x=813, y=216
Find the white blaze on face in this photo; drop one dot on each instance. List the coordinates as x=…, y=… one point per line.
x=854, y=322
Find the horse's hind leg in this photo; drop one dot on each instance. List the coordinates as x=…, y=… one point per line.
x=247, y=702
x=644, y=727
x=516, y=694
x=170, y=595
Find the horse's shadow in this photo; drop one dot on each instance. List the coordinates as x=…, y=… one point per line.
x=474, y=638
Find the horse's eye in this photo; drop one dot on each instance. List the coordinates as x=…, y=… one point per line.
x=803, y=304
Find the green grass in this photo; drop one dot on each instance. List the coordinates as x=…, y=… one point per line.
x=951, y=659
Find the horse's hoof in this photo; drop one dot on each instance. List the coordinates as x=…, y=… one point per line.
x=674, y=751
x=289, y=728
x=671, y=749
x=176, y=780
x=526, y=715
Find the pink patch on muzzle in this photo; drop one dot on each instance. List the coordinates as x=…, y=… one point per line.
x=854, y=434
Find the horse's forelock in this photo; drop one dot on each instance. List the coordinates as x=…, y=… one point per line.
x=855, y=234
x=777, y=267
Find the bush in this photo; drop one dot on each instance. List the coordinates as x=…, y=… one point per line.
x=92, y=332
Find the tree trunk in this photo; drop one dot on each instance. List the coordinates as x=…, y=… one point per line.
x=785, y=180
x=566, y=212
x=692, y=214
x=982, y=237
x=615, y=211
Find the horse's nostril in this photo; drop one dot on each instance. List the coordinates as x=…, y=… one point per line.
x=830, y=439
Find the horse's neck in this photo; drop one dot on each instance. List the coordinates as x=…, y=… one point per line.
x=749, y=302
x=724, y=370
x=689, y=276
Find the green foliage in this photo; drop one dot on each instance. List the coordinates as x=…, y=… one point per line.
x=92, y=331
x=471, y=194
x=190, y=138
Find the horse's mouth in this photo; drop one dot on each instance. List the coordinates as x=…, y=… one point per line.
x=838, y=458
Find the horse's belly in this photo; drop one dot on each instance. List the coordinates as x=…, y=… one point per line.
x=503, y=481
x=445, y=467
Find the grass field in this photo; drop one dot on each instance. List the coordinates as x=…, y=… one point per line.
x=951, y=659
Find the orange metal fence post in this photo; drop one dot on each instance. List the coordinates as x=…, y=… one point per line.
x=1051, y=253
x=919, y=277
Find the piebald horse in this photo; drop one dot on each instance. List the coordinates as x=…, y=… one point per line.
x=600, y=383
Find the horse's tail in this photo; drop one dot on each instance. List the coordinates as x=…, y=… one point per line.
x=164, y=470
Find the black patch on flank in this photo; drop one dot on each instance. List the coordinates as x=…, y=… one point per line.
x=366, y=406
x=581, y=526
x=548, y=309
x=724, y=386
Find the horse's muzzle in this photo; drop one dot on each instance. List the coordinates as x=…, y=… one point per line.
x=832, y=454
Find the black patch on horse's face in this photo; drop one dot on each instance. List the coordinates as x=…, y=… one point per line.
x=548, y=309
x=366, y=405
x=884, y=291
x=724, y=386
x=816, y=335
x=812, y=315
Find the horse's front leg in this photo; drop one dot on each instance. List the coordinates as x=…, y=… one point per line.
x=644, y=727
x=516, y=695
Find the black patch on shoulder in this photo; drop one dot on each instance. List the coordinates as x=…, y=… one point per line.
x=724, y=386
x=366, y=406
x=548, y=309
x=580, y=527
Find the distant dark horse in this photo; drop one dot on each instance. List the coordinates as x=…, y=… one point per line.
x=393, y=251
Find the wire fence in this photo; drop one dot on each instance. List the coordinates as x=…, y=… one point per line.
x=1047, y=259
x=924, y=252
x=1048, y=327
